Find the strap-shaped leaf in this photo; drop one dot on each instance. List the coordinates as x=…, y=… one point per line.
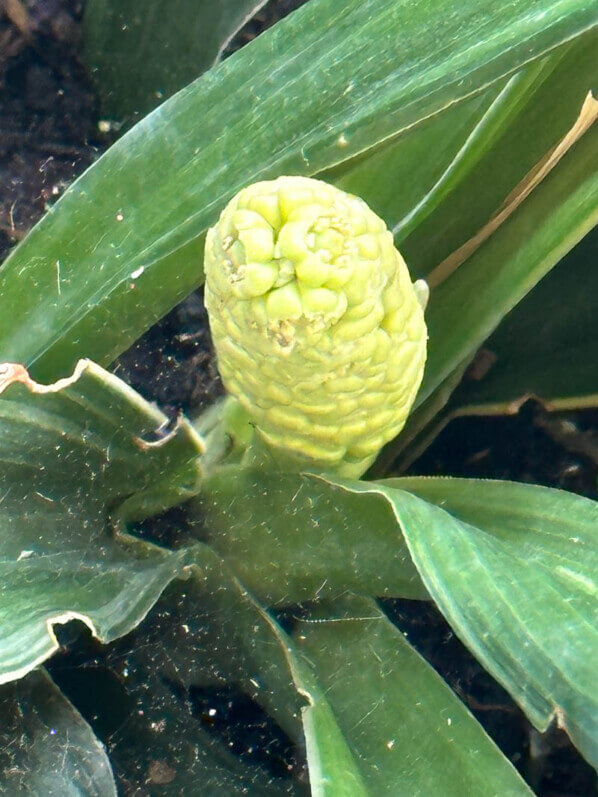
x=531, y=115
x=535, y=111
x=70, y=455
x=472, y=301
x=123, y=244
x=410, y=733
x=469, y=305
x=513, y=568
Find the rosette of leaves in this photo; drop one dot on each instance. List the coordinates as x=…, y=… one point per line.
x=479, y=159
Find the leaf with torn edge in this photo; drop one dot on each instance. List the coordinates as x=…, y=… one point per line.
x=46, y=747
x=70, y=454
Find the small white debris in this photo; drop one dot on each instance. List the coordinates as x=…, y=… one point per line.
x=390, y=744
x=212, y=712
x=138, y=272
x=449, y=722
x=109, y=125
x=342, y=140
x=119, y=216
x=24, y=555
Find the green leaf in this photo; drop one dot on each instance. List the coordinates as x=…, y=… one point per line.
x=466, y=308
x=499, y=117
x=547, y=346
x=513, y=568
x=293, y=538
x=228, y=632
x=409, y=732
x=481, y=148
x=123, y=244
x=530, y=116
x=469, y=305
x=404, y=162
x=70, y=455
x=46, y=747
x=524, y=120
x=141, y=55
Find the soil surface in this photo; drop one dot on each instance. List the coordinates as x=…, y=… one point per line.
x=49, y=133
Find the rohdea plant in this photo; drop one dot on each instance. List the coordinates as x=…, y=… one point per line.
x=295, y=172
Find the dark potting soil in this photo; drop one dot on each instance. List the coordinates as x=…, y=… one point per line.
x=49, y=133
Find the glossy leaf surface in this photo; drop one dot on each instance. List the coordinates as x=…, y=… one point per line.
x=70, y=455
x=292, y=538
x=513, y=568
x=395, y=177
x=410, y=733
x=493, y=556
x=123, y=244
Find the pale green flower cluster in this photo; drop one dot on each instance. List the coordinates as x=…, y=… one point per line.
x=318, y=329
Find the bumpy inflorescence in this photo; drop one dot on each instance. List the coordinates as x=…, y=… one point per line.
x=317, y=327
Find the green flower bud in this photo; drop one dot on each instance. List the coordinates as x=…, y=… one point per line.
x=317, y=327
